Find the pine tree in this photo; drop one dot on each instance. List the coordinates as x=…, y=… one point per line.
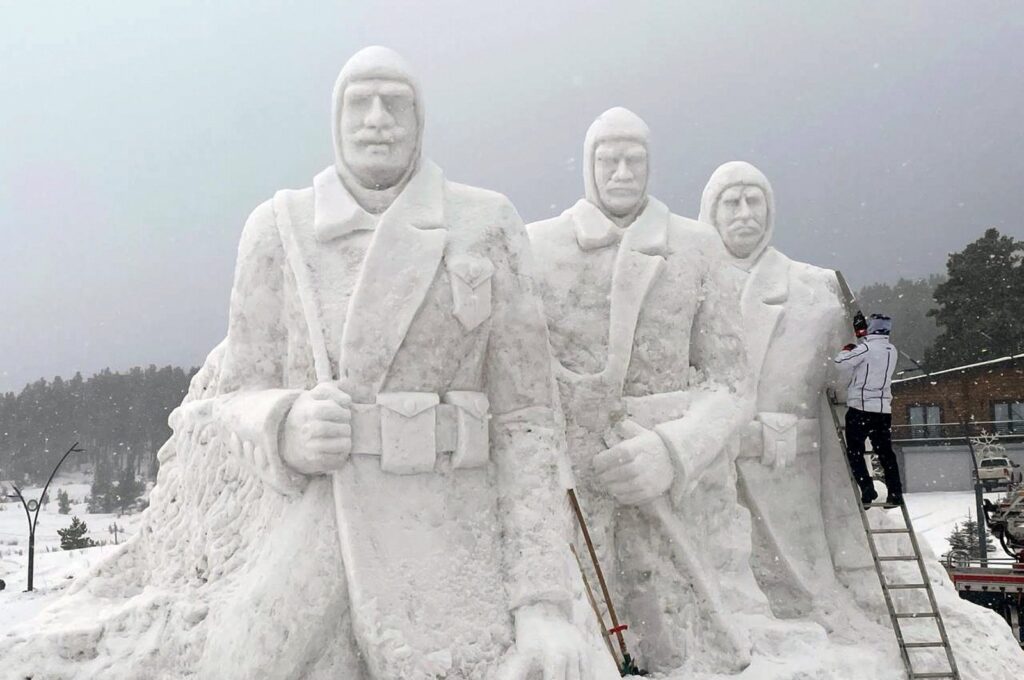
x=907, y=302
x=128, y=490
x=957, y=540
x=971, y=536
x=100, y=494
x=981, y=305
x=63, y=502
x=964, y=538
x=74, y=536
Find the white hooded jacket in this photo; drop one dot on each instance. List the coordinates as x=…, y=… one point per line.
x=870, y=366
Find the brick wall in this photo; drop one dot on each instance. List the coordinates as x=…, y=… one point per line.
x=963, y=394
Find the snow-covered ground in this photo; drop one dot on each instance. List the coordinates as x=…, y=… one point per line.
x=934, y=515
x=54, y=568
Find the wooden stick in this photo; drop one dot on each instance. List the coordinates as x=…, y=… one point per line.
x=605, y=635
x=616, y=628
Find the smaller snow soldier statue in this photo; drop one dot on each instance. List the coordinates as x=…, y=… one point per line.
x=869, y=366
x=793, y=318
x=364, y=480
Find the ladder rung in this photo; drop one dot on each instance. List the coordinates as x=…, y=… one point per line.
x=879, y=504
x=916, y=615
x=921, y=645
x=933, y=675
x=890, y=531
x=905, y=586
x=898, y=558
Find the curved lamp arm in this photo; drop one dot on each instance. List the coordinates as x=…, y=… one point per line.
x=74, y=449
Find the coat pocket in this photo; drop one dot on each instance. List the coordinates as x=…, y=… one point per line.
x=407, y=432
x=471, y=290
x=779, y=437
x=472, y=448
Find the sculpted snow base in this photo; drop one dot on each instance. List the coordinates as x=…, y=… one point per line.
x=364, y=480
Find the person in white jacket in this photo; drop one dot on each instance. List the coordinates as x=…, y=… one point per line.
x=870, y=366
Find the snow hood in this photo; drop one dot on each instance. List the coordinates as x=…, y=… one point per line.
x=615, y=123
x=376, y=62
x=729, y=175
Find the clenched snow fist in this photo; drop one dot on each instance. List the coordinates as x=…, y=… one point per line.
x=318, y=431
x=637, y=470
x=547, y=646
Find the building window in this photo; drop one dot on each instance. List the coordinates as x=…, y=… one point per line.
x=924, y=421
x=1009, y=416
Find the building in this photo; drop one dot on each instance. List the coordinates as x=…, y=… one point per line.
x=932, y=415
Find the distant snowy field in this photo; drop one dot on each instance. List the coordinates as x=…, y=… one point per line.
x=54, y=567
x=933, y=514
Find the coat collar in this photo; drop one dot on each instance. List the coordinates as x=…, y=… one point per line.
x=648, y=234
x=337, y=213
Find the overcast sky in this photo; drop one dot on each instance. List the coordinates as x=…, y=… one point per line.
x=135, y=137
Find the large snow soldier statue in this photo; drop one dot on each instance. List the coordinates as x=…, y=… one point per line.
x=650, y=364
x=384, y=501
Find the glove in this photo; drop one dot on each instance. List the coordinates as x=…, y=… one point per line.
x=860, y=325
x=848, y=347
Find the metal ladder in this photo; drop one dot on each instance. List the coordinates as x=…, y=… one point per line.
x=879, y=560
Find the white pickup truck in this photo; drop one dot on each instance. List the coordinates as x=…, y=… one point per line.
x=998, y=472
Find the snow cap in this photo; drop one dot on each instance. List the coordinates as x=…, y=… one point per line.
x=879, y=324
x=729, y=175
x=366, y=64
x=615, y=123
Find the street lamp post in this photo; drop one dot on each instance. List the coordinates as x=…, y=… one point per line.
x=32, y=513
x=979, y=499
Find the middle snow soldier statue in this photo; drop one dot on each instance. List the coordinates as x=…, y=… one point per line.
x=648, y=353
x=387, y=365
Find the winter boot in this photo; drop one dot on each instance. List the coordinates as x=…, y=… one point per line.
x=868, y=496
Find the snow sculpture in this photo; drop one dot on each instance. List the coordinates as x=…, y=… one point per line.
x=363, y=481
x=649, y=359
x=793, y=319
x=807, y=538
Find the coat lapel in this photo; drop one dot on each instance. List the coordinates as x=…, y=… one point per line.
x=763, y=301
x=640, y=259
x=336, y=213
x=399, y=268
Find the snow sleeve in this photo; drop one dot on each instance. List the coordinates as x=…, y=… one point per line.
x=723, y=397
x=251, y=405
x=838, y=328
x=524, y=441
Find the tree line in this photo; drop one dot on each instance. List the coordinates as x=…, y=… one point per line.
x=974, y=312
x=120, y=419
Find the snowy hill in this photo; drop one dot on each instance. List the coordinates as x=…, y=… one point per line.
x=54, y=568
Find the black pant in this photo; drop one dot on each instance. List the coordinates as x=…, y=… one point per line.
x=861, y=425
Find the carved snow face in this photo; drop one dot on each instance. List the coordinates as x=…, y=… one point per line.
x=378, y=130
x=741, y=218
x=620, y=173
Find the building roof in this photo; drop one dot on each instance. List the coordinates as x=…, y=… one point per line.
x=956, y=369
